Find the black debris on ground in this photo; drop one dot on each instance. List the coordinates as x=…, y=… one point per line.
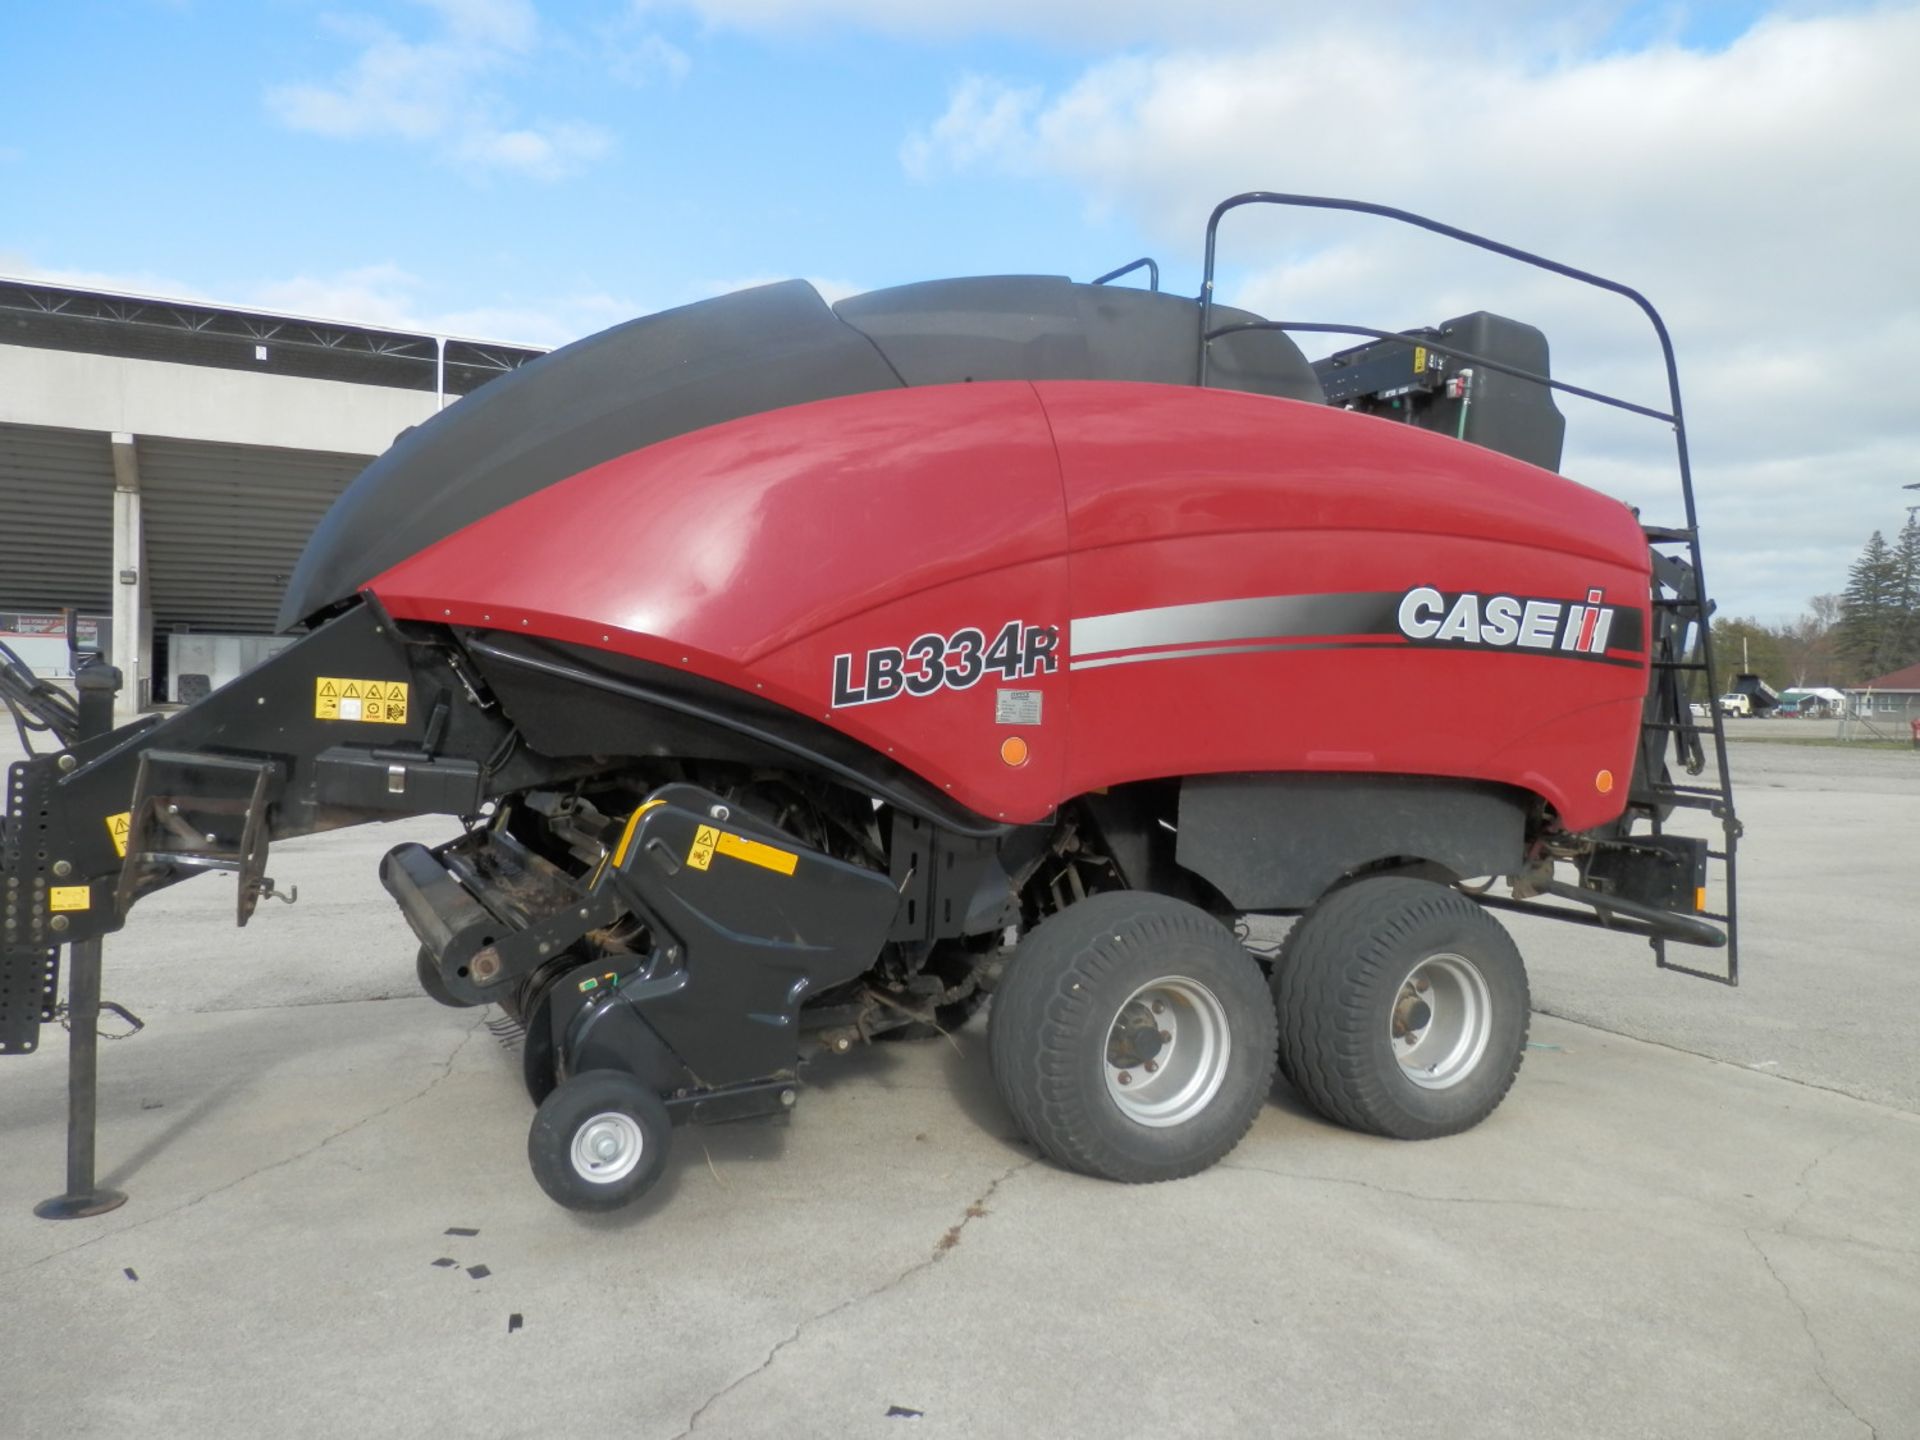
x=513, y=1322
x=128, y=1272
x=444, y=1262
x=478, y=1272
x=461, y=1230
x=901, y=1412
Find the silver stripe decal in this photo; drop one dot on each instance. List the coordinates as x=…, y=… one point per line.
x=1264, y=617
x=1138, y=656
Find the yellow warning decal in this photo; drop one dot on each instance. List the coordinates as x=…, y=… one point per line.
x=70, y=897
x=117, y=827
x=709, y=840
x=372, y=702
x=754, y=853
x=700, y=855
x=1419, y=359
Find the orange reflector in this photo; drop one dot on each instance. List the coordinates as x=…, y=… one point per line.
x=1700, y=898
x=1013, y=750
x=1603, y=782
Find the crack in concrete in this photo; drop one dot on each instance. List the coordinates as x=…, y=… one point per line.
x=1878, y=1101
x=1806, y=1326
x=445, y=1069
x=976, y=1210
x=1415, y=1194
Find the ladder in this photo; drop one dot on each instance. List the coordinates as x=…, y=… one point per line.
x=1681, y=648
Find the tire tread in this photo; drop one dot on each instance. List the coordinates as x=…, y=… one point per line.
x=1331, y=960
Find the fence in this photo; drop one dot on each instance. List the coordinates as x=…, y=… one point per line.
x=1884, y=715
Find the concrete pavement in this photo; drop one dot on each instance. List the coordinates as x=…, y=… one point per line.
x=1642, y=1241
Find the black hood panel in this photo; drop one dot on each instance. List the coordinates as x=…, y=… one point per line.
x=757, y=350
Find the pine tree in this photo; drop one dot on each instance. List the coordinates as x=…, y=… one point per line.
x=1872, y=615
x=1906, y=555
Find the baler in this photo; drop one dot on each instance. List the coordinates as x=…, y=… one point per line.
x=796, y=676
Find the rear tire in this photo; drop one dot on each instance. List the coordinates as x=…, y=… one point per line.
x=599, y=1141
x=1403, y=1009
x=1133, y=1038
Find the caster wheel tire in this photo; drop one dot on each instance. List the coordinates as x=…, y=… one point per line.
x=430, y=981
x=1403, y=1009
x=1132, y=1037
x=599, y=1141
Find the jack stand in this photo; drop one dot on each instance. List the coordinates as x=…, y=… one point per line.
x=97, y=683
x=83, y=1197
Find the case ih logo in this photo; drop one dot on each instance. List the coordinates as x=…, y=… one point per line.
x=1500, y=622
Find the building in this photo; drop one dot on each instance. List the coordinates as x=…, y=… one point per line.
x=162, y=463
x=1895, y=694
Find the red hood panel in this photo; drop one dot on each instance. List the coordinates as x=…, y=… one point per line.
x=1126, y=580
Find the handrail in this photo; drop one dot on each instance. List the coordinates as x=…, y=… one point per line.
x=1153, y=272
x=1441, y=348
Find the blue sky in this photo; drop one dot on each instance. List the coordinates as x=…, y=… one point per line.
x=147, y=138
x=533, y=170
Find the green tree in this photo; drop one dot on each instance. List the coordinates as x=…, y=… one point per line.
x=1873, y=613
x=1810, y=645
x=1744, y=644
x=1906, y=559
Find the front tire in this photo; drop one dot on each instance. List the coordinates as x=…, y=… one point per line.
x=1132, y=1038
x=599, y=1141
x=1403, y=1009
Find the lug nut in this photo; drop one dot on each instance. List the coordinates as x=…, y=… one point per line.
x=1151, y=1067
x=1166, y=1037
x=1158, y=1006
x=1126, y=1078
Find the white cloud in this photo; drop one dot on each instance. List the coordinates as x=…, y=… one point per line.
x=1107, y=24
x=544, y=152
x=985, y=119
x=1764, y=195
x=637, y=54
x=434, y=91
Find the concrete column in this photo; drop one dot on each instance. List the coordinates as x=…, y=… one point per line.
x=132, y=620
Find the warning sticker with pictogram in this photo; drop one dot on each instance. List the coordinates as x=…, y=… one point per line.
x=117, y=827
x=373, y=702
x=710, y=840
x=700, y=856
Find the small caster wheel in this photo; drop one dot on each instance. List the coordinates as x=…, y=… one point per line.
x=599, y=1141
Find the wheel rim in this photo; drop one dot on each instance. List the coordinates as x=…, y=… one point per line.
x=1441, y=1021
x=1167, y=1051
x=607, y=1147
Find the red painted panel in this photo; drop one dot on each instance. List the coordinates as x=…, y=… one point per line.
x=1177, y=497
x=764, y=552
x=757, y=551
